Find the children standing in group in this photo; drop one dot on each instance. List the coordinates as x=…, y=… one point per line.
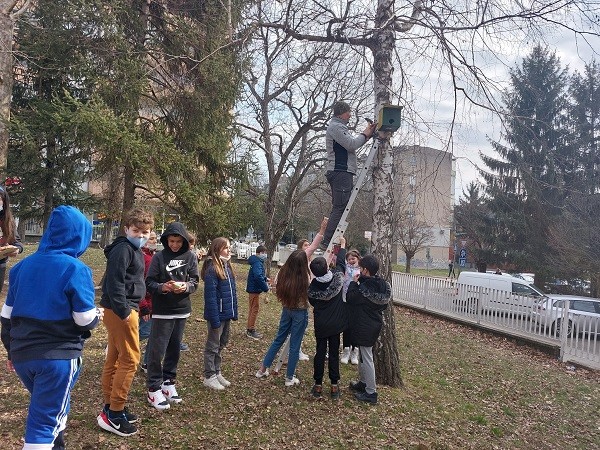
x=172, y=277
x=257, y=283
x=325, y=295
x=292, y=292
x=220, y=308
x=48, y=314
x=350, y=353
x=145, y=324
x=367, y=297
x=122, y=289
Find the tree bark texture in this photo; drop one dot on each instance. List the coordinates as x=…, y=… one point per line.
x=387, y=358
x=6, y=84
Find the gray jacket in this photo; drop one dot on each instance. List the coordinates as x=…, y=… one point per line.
x=341, y=146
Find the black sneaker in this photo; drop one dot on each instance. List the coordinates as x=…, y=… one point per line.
x=335, y=392
x=253, y=334
x=144, y=368
x=117, y=425
x=317, y=392
x=364, y=397
x=131, y=417
x=358, y=386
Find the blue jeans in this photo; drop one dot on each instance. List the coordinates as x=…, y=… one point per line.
x=145, y=328
x=294, y=323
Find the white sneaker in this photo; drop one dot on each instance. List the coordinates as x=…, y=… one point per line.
x=261, y=374
x=291, y=382
x=169, y=391
x=345, y=355
x=303, y=356
x=158, y=400
x=221, y=379
x=213, y=383
x=354, y=356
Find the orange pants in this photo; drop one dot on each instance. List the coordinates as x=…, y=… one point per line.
x=252, y=310
x=122, y=358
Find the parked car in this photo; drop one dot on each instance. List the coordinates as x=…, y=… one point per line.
x=583, y=314
x=503, y=294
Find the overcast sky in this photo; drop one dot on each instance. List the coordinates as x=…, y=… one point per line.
x=476, y=126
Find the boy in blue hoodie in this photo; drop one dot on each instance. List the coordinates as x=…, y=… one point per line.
x=171, y=278
x=257, y=283
x=43, y=330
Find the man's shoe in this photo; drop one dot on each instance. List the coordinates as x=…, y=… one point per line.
x=117, y=425
x=183, y=347
x=345, y=355
x=289, y=382
x=158, y=400
x=335, y=392
x=170, y=393
x=213, y=383
x=221, y=379
x=364, y=397
x=131, y=417
x=317, y=391
x=253, y=334
x=358, y=386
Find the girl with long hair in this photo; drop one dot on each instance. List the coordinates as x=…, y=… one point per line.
x=292, y=292
x=220, y=308
x=10, y=238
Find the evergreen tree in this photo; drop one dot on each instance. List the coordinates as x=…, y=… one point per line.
x=527, y=185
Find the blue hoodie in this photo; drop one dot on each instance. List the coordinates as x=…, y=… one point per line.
x=49, y=308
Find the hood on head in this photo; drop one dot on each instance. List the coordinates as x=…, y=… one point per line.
x=68, y=231
x=175, y=228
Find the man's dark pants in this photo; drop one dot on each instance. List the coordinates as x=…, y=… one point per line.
x=341, y=190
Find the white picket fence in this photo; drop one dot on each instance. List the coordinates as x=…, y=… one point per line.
x=490, y=309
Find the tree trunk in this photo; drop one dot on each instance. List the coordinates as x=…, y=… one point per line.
x=387, y=358
x=6, y=84
x=128, y=195
x=408, y=260
x=49, y=188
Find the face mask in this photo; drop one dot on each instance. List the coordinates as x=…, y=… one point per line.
x=138, y=242
x=262, y=257
x=151, y=246
x=225, y=258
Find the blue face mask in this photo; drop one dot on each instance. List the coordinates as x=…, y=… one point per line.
x=138, y=242
x=262, y=256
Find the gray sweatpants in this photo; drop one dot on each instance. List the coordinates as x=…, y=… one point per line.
x=216, y=340
x=366, y=368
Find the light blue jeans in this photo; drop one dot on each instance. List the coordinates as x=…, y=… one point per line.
x=294, y=323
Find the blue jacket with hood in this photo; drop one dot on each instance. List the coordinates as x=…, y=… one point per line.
x=49, y=308
x=257, y=279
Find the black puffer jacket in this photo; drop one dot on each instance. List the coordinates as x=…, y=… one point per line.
x=326, y=299
x=366, y=300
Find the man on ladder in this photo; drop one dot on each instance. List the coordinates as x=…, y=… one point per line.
x=341, y=163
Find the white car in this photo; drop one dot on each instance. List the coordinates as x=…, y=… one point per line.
x=583, y=315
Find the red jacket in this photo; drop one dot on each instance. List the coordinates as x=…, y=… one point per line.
x=146, y=302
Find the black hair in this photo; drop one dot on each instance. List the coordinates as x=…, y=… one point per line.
x=261, y=249
x=318, y=266
x=371, y=263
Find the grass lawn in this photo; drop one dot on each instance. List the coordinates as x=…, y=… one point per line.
x=463, y=389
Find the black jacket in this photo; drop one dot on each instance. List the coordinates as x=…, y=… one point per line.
x=123, y=285
x=326, y=299
x=167, y=265
x=367, y=299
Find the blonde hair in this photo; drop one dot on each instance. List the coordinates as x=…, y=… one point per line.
x=214, y=253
